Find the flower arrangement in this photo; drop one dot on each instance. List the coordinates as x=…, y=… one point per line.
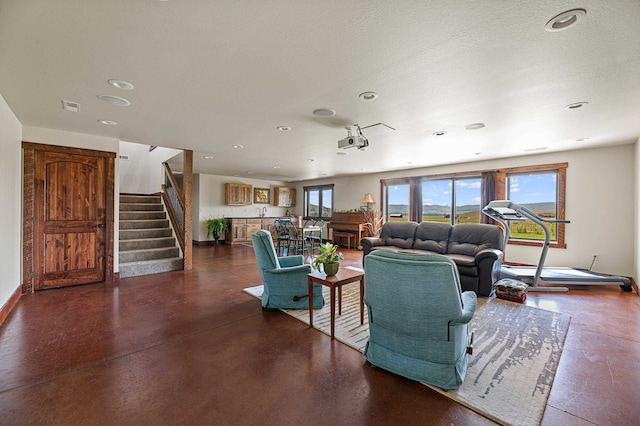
x=374, y=222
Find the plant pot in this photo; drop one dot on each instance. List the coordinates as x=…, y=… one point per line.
x=331, y=268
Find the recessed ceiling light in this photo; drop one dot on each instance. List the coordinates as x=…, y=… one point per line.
x=107, y=122
x=409, y=162
x=115, y=100
x=341, y=153
x=477, y=153
x=541, y=148
x=283, y=128
x=582, y=139
x=475, y=126
x=237, y=146
x=249, y=173
x=121, y=84
x=368, y=96
x=439, y=133
x=324, y=112
x=208, y=157
x=311, y=160
x=276, y=167
x=565, y=20
x=576, y=105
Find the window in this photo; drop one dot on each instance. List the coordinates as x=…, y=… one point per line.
x=397, y=201
x=542, y=190
x=318, y=202
x=459, y=198
x=439, y=195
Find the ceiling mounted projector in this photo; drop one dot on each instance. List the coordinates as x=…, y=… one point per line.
x=351, y=141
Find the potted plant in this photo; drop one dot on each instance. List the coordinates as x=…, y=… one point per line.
x=215, y=227
x=329, y=258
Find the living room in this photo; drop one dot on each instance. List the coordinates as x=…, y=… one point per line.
x=603, y=173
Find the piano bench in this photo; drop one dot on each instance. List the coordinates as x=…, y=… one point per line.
x=347, y=235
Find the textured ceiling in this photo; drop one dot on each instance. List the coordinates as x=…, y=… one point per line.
x=211, y=74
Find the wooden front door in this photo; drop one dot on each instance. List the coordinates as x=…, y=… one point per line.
x=72, y=223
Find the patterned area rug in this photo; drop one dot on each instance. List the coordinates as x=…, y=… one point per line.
x=516, y=352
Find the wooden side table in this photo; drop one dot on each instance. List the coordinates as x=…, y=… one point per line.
x=344, y=276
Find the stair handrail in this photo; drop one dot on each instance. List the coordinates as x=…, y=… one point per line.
x=171, y=194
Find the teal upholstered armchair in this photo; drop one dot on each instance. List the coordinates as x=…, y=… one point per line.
x=284, y=278
x=418, y=317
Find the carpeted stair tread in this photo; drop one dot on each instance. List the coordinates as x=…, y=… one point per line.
x=144, y=224
x=134, y=234
x=145, y=267
x=145, y=243
x=142, y=215
x=140, y=207
x=148, y=254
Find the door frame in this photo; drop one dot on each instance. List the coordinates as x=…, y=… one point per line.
x=29, y=150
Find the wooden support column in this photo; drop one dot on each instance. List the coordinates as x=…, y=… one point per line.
x=188, y=213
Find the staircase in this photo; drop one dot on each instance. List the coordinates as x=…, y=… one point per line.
x=147, y=245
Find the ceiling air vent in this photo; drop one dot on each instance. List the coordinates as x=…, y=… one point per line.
x=70, y=106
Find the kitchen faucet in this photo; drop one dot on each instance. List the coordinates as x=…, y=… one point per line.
x=264, y=211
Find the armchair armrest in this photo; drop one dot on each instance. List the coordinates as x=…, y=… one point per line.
x=469, y=302
x=288, y=261
x=369, y=242
x=299, y=269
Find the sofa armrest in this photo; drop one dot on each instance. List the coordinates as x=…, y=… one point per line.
x=288, y=261
x=368, y=243
x=489, y=262
x=493, y=254
x=469, y=302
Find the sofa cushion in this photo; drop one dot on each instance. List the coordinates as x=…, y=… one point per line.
x=462, y=260
x=432, y=236
x=469, y=238
x=399, y=234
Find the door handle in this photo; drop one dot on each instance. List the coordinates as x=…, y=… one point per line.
x=101, y=225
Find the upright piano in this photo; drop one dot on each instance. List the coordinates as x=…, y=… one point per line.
x=347, y=226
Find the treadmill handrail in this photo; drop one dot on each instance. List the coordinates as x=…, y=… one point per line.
x=500, y=210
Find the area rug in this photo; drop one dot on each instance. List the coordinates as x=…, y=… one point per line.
x=516, y=352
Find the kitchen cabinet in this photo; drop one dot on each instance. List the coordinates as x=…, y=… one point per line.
x=238, y=194
x=284, y=196
x=241, y=228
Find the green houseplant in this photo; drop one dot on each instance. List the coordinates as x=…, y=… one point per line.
x=329, y=258
x=215, y=227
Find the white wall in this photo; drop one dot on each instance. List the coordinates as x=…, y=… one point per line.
x=142, y=173
x=10, y=202
x=81, y=140
x=209, y=192
x=636, y=215
x=598, y=181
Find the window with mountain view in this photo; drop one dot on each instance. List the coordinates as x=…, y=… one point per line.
x=459, y=198
x=398, y=198
x=539, y=193
x=451, y=200
x=318, y=202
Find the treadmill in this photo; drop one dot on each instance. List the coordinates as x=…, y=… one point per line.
x=538, y=277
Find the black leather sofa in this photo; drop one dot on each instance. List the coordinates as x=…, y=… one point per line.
x=476, y=249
